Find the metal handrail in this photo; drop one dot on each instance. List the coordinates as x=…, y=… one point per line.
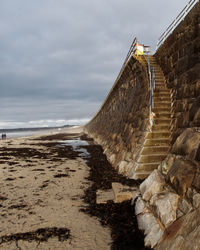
x=131, y=51
x=152, y=88
x=151, y=73
x=175, y=23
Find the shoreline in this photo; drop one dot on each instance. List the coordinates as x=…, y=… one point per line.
x=21, y=133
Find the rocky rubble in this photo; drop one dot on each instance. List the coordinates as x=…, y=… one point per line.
x=168, y=208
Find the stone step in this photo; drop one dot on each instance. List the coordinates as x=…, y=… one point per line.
x=158, y=135
x=158, y=82
x=161, y=128
x=155, y=66
x=159, y=74
x=161, y=84
x=146, y=166
x=162, y=94
x=162, y=91
x=159, y=88
x=162, y=104
x=157, y=142
x=160, y=79
x=161, y=99
x=141, y=175
x=151, y=158
x=158, y=70
x=154, y=63
x=163, y=115
x=148, y=150
x=161, y=109
x=160, y=121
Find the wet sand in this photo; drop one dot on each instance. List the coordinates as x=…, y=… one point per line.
x=48, y=196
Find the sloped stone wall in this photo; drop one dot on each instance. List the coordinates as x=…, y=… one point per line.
x=179, y=58
x=121, y=123
x=169, y=205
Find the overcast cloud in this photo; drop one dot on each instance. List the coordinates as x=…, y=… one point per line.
x=59, y=58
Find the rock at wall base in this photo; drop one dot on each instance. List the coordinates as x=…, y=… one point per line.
x=153, y=184
x=103, y=196
x=151, y=228
x=123, y=193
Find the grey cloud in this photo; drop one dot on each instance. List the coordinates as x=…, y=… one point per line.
x=69, y=52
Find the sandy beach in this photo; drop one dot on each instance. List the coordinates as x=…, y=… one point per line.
x=48, y=195
x=42, y=183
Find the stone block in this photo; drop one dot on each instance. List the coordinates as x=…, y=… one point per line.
x=140, y=206
x=148, y=223
x=196, y=200
x=154, y=236
x=179, y=214
x=184, y=206
x=103, y=196
x=192, y=241
x=189, y=194
x=181, y=175
x=129, y=168
x=166, y=205
x=165, y=165
x=123, y=193
x=112, y=158
x=196, y=180
x=153, y=184
x=178, y=243
x=122, y=167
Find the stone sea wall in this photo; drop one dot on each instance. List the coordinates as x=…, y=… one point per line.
x=121, y=123
x=179, y=58
x=168, y=208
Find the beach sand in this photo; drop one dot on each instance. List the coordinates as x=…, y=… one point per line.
x=42, y=184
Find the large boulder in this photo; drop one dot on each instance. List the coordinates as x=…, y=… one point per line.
x=188, y=144
x=155, y=183
x=181, y=175
x=166, y=205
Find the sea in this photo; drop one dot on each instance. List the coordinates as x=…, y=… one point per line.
x=23, y=129
x=23, y=132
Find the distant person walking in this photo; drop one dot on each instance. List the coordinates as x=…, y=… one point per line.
x=3, y=136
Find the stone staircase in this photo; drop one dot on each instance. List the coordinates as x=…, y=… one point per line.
x=157, y=142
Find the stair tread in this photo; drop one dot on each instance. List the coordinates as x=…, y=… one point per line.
x=164, y=102
x=151, y=163
x=143, y=172
x=159, y=132
x=156, y=154
x=155, y=147
x=157, y=139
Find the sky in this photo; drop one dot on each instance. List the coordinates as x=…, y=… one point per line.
x=59, y=58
